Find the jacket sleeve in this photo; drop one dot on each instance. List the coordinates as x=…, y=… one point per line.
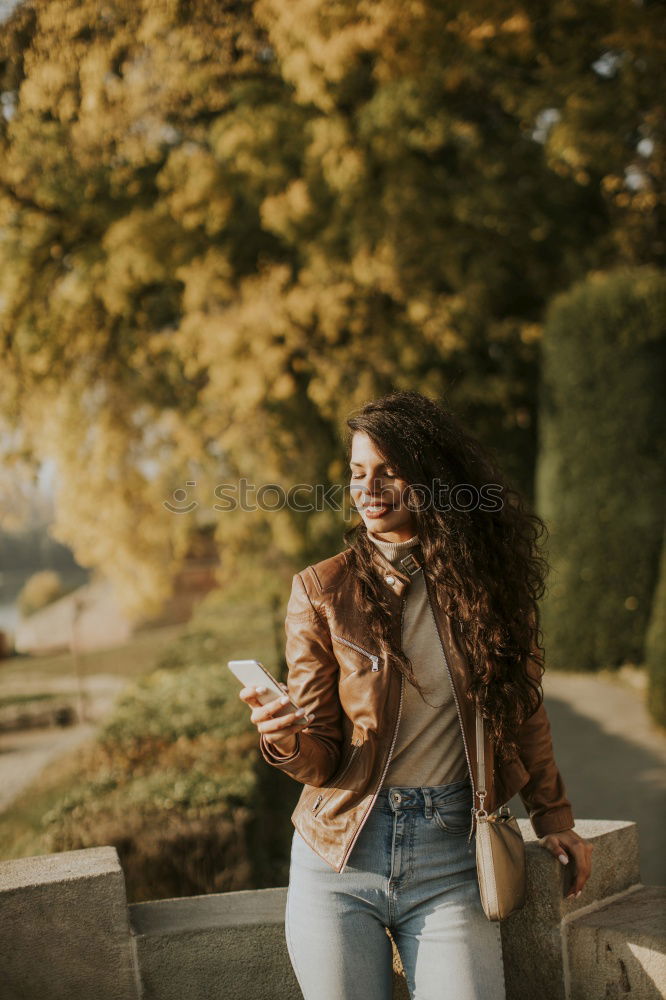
x=544, y=795
x=312, y=683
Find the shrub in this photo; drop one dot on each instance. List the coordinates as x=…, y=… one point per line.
x=175, y=780
x=40, y=589
x=655, y=647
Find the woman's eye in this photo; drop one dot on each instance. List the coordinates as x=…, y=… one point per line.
x=388, y=475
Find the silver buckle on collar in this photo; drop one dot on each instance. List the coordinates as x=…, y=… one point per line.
x=410, y=564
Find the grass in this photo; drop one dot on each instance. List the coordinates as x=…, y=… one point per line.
x=131, y=659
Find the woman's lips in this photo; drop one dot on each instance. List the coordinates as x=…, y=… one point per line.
x=377, y=512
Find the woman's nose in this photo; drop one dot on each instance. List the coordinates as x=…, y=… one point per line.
x=373, y=491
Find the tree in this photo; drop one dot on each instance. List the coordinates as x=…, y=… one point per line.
x=223, y=225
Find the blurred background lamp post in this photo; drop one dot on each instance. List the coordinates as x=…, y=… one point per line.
x=78, y=606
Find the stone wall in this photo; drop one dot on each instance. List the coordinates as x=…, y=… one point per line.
x=67, y=933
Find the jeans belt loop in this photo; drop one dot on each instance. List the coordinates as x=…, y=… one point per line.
x=428, y=803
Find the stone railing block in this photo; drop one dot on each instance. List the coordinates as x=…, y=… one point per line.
x=620, y=948
x=534, y=956
x=64, y=928
x=227, y=944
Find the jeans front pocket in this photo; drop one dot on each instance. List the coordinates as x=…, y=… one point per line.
x=453, y=812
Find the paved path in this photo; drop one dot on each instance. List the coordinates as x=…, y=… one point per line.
x=25, y=753
x=612, y=757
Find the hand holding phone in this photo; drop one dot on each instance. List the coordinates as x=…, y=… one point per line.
x=273, y=712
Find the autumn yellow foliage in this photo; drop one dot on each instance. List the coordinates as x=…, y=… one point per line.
x=224, y=225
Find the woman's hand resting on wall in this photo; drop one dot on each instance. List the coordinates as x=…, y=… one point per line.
x=567, y=845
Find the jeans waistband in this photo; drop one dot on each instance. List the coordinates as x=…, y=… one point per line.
x=420, y=796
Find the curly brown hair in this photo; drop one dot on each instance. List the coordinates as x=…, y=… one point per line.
x=486, y=560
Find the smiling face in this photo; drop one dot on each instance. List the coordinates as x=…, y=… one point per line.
x=378, y=493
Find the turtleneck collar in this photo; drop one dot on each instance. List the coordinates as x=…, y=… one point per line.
x=394, y=551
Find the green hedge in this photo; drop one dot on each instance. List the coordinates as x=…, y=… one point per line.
x=655, y=647
x=600, y=472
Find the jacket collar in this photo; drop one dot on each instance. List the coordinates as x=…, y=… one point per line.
x=396, y=579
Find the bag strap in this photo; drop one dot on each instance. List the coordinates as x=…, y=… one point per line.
x=481, y=765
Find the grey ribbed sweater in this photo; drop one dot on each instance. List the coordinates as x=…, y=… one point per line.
x=429, y=748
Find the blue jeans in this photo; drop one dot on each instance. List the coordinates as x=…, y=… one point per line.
x=413, y=871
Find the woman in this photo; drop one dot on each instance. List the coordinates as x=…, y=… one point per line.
x=430, y=610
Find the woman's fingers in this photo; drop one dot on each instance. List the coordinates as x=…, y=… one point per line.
x=262, y=716
x=566, y=847
x=261, y=712
x=552, y=844
x=266, y=723
x=293, y=720
x=583, y=860
x=249, y=694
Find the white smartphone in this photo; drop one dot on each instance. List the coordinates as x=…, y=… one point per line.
x=253, y=673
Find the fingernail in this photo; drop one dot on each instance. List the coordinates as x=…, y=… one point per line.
x=563, y=858
x=260, y=690
x=310, y=717
x=299, y=711
x=578, y=893
x=284, y=699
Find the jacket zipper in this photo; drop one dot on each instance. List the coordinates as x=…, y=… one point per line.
x=344, y=770
x=348, y=642
x=455, y=698
x=388, y=759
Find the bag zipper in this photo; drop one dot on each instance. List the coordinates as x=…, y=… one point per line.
x=455, y=698
x=388, y=759
x=348, y=642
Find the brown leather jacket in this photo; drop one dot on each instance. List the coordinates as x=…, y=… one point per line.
x=356, y=697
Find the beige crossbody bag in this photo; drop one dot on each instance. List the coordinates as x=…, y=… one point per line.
x=500, y=849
